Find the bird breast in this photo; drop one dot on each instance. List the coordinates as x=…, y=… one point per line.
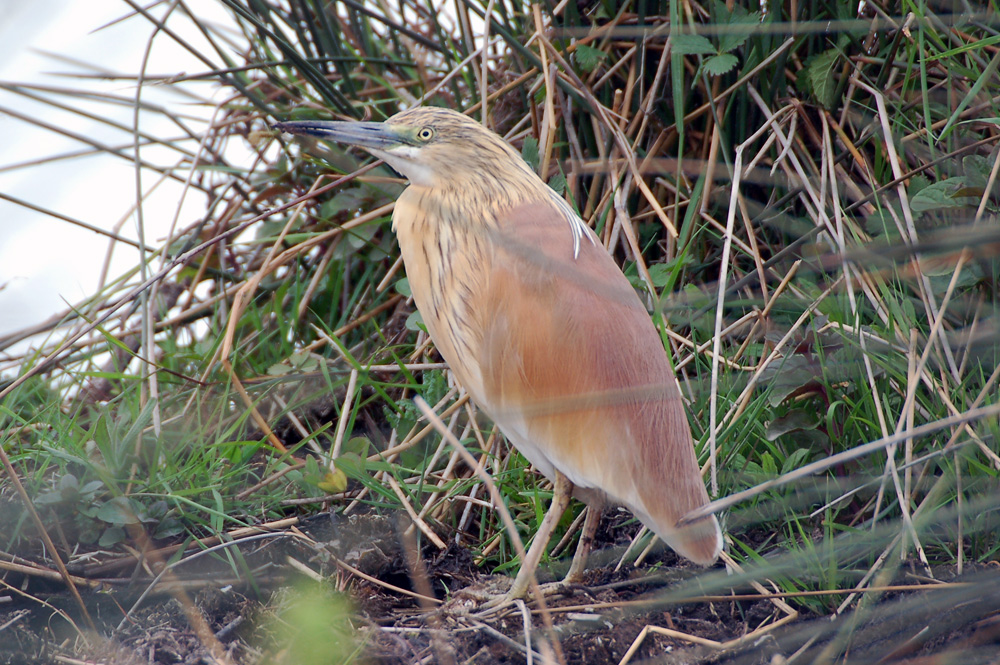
x=445, y=261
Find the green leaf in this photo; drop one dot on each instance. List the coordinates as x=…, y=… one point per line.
x=941, y=195
x=720, y=64
x=119, y=510
x=558, y=183
x=359, y=237
x=817, y=77
x=168, y=528
x=347, y=200
x=49, y=498
x=403, y=288
x=304, y=361
x=359, y=445
x=299, y=361
x=977, y=169
x=785, y=378
x=791, y=422
x=271, y=228
x=89, y=532
x=67, y=489
x=741, y=24
x=733, y=40
x=795, y=460
x=312, y=466
x=415, y=322
x=92, y=487
x=767, y=464
x=157, y=510
x=692, y=45
x=589, y=58
x=435, y=386
x=111, y=537
x=529, y=152
x=279, y=369
x=351, y=464
x=661, y=273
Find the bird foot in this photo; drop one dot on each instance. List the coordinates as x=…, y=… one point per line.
x=499, y=603
x=470, y=600
x=497, y=594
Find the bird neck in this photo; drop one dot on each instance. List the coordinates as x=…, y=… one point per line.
x=470, y=205
x=474, y=206
x=488, y=191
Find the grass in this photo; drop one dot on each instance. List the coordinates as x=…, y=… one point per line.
x=815, y=231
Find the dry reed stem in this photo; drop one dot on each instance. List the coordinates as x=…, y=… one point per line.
x=839, y=458
x=723, y=274
x=701, y=641
x=32, y=569
x=356, y=572
x=501, y=509
x=53, y=552
x=271, y=264
x=775, y=598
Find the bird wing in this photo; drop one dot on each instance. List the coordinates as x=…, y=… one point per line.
x=575, y=374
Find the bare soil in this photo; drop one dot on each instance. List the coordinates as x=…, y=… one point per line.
x=595, y=623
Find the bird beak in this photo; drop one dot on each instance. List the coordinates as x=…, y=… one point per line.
x=371, y=135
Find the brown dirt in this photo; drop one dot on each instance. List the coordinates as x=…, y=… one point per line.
x=960, y=625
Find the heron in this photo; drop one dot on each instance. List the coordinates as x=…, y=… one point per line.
x=540, y=326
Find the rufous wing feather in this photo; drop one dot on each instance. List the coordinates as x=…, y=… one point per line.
x=575, y=374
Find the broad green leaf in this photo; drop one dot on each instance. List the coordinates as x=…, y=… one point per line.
x=720, y=64
x=350, y=464
x=415, y=322
x=111, y=537
x=818, y=78
x=347, y=200
x=795, y=460
x=692, y=45
x=790, y=422
x=119, y=510
x=529, y=152
x=740, y=23
x=767, y=464
x=941, y=195
x=661, y=274
x=359, y=445
x=558, y=183
x=589, y=58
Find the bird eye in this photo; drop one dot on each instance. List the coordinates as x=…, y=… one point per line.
x=425, y=134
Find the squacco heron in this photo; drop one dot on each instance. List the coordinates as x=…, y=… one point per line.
x=540, y=326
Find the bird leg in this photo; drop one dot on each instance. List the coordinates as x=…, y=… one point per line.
x=561, y=495
x=562, y=492
x=594, y=511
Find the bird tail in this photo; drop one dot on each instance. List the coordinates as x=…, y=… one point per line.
x=700, y=541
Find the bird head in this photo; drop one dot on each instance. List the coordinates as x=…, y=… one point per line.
x=432, y=147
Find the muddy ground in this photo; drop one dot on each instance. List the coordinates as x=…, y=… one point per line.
x=253, y=614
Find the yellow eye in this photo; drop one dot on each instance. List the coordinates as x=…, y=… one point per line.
x=425, y=134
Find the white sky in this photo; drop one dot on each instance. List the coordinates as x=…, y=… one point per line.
x=47, y=264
